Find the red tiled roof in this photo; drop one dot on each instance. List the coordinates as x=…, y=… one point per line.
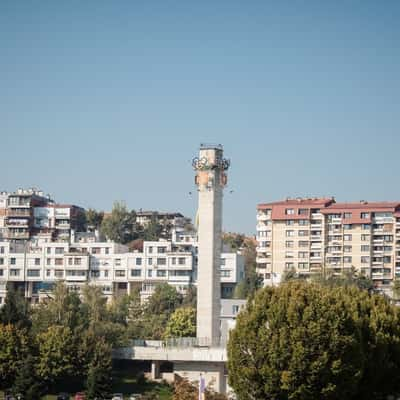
x=301, y=203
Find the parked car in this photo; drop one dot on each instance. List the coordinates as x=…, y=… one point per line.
x=63, y=396
x=135, y=396
x=117, y=396
x=79, y=396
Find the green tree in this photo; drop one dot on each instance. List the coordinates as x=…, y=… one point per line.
x=190, y=297
x=120, y=225
x=93, y=219
x=14, y=349
x=16, y=309
x=153, y=230
x=63, y=308
x=164, y=300
x=56, y=354
x=27, y=383
x=99, y=381
x=182, y=323
x=307, y=341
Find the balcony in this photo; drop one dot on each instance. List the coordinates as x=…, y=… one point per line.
x=260, y=249
x=261, y=260
x=17, y=223
x=18, y=235
x=65, y=225
x=19, y=204
x=18, y=213
x=262, y=217
x=316, y=215
x=316, y=227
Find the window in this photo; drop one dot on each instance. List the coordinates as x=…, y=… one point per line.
x=387, y=259
x=387, y=248
x=364, y=237
x=106, y=273
x=364, y=215
x=289, y=233
x=181, y=261
x=95, y=274
x=235, y=309
x=347, y=227
x=290, y=222
x=226, y=274
x=223, y=261
x=303, y=265
x=119, y=273
x=58, y=261
x=75, y=273
x=289, y=265
x=289, y=254
x=161, y=261
x=303, y=211
x=59, y=273
x=150, y=249
x=347, y=249
x=289, y=211
x=1, y=249
x=347, y=259
x=303, y=222
x=136, y=272
x=117, y=262
x=303, y=233
x=96, y=250
x=388, y=238
x=347, y=215
x=48, y=250
x=365, y=260
x=59, y=250
x=48, y=261
x=1, y=272
x=161, y=249
x=13, y=261
x=303, y=243
x=366, y=226
x=364, y=247
x=1, y=261
x=303, y=254
x=150, y=261
x=70, y=261
x=33, y=272
x=138, y=261
x=14, y=272
x=77, y=261
x=289, y=244
x=150, y=273
x=173, y=261
x=347, y=238
x=161, y=273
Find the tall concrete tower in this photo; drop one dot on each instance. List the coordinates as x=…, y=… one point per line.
x=210, y=179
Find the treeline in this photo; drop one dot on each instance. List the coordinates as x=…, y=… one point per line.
x=120, y=225
x=71, y=337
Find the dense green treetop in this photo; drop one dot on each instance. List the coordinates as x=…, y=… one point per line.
x=308, y=341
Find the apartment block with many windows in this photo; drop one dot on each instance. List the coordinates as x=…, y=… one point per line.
x=35, y=266
x=321, y=236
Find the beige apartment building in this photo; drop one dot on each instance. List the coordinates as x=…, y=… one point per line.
x=319, y=235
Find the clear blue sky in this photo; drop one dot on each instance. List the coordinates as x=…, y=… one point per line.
x=109, y=100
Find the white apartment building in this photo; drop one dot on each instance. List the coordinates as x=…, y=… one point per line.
x=321, y=236
x=35, y=266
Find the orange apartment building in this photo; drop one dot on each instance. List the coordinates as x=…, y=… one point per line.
x=319, y=235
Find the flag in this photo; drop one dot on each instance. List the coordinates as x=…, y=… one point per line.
x=202, y=387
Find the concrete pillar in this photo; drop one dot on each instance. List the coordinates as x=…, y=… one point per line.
x=210, y=179
x=155, y=370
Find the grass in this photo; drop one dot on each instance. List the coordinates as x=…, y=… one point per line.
x=127, y=379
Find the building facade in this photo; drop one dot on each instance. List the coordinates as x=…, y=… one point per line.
x=26, y=213
x=36, y=265
x=321, y=236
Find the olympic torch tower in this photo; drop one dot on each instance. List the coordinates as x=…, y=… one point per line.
x=210, y=179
